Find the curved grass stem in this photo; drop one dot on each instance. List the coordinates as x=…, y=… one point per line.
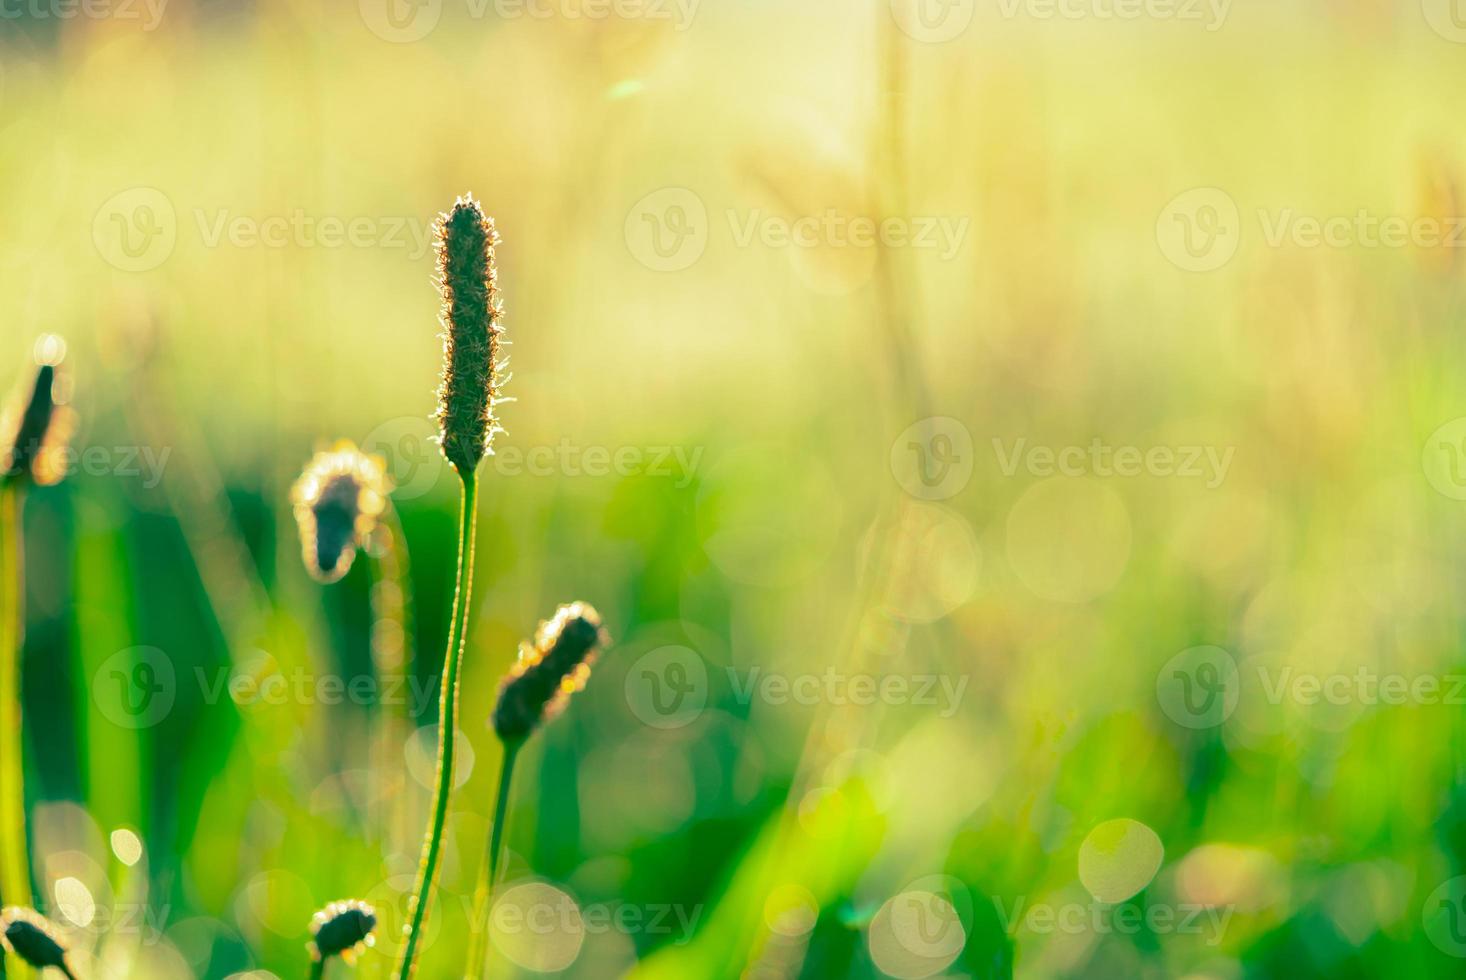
x=447, y=718
x=15, y=883
x=488, y=870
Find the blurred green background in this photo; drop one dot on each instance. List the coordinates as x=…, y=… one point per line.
x=1015, y=447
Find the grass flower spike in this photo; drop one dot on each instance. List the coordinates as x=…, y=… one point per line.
x=467, y=394
x=470, y=318
x=27, y=935
x=536, y=689
x=37, y=427
x=338, y=499
x=548, y=671
x=341, y=929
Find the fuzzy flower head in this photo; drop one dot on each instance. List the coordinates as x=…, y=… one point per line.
x=24, y=933
x=342, y=929
x=38, y=424
x=337, y=501
x=549, y=671
x=470, y=317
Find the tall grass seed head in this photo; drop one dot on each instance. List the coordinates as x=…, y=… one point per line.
x=38, y=425
x=342, y=929
x=337, y=501
x=26, y=934
x=549, y=670
x=471, y=319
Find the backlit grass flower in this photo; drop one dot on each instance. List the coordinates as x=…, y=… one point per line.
x=342, y=929
x=536, y=689
x=549, y=670
x=26, y=934
x=37, y=425
x=467, y=394
x=337, y=501
x=470, y=316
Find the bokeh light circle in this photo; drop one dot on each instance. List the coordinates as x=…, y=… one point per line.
x=537, y=926
x=1118, y=859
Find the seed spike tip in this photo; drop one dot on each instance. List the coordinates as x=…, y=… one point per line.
x=471, y=318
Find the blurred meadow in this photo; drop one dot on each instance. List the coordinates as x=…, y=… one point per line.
x=1016, y=447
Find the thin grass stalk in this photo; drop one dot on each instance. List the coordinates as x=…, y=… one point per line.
x=318, y=969
x=488, y=870
x=15, y=882
x=447, y=716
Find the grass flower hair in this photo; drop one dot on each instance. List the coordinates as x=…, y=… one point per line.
x=341, y=929
x=338, y=499
x=470, y=319
x=536, y=689
x=28, y=936
x=467, y=394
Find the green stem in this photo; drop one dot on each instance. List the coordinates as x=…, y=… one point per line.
x=318, y=968
x=488, y=870
x=15, y=879
x=447, y=714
